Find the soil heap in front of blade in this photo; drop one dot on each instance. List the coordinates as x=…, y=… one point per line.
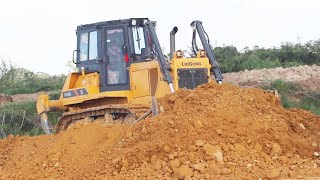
x=213, y=132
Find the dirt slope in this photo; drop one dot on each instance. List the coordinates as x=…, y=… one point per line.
x=307, y=76
x=214, y=132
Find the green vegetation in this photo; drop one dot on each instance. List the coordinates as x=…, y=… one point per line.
x=20, y=118
x=284, y=87
x=292, y=96
x=21, y=81
x=287, y=55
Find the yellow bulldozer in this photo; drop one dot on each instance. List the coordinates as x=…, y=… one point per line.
x=122, y=71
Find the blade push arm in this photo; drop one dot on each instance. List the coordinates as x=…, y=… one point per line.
x=197, y=25
x=165, y=72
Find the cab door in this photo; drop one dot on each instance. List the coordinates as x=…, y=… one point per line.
x=116, y=63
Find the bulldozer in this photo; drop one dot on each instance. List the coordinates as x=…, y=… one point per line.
x=122, y=71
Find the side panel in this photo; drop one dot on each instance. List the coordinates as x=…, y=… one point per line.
x=140, y=83
x=78, y=87
x=147, y=81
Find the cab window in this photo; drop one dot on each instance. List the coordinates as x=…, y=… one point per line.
x=88, y=46
x=138, y=39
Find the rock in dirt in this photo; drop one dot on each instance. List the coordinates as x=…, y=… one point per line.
x=214, y=151
x=273, y=174
x=174, y=163
x=183, y=171
x=276, y=149
x=199, y=167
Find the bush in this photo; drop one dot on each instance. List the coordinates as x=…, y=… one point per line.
x=31, y=85
x=288, y=90
x=55, y=94
x=284, y=87
x=22, y=81
x=254, y=62
x=18, y=118
x=21, y=118
x=311, y=104
x=292, y=64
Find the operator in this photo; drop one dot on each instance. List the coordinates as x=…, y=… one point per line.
x=117, y=64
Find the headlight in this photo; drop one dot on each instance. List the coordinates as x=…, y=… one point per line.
x=202, y=53
x=134, y=22
x=179, y=53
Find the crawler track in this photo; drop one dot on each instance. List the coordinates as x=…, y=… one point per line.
x=71, y=117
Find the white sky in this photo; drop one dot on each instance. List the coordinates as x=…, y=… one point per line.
x=40, y=35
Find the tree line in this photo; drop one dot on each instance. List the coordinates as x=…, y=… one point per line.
x=15, y=80
x=287, y=55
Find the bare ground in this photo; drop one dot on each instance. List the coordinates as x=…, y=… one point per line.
x=307, y=76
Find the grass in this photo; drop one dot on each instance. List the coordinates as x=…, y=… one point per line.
x=284, y=87
x=21, y=118
x=290, y=90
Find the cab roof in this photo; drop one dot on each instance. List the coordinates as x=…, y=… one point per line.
x=112, y=22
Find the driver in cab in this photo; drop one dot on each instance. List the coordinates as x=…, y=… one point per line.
x=117, y=64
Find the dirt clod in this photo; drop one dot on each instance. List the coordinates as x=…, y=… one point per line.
x=273, y=174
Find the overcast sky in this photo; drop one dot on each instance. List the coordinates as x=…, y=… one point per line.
x=40, y=35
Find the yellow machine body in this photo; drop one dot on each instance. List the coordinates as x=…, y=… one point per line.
x=145, y=81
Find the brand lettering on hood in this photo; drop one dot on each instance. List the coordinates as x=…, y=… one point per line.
x=191, y=63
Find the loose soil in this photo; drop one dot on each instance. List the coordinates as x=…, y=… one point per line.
x=213, y=132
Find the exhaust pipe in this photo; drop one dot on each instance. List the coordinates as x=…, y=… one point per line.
x=173, y=41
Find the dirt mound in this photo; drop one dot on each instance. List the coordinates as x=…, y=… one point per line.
x=213, y=132
x=307, y=76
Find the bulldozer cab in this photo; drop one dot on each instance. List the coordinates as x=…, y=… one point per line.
x=109, y=48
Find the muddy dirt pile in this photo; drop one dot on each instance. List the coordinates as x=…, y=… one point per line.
x=307, y=76
x=214, y=132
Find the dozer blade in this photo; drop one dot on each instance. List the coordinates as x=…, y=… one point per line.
x=47, y=128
